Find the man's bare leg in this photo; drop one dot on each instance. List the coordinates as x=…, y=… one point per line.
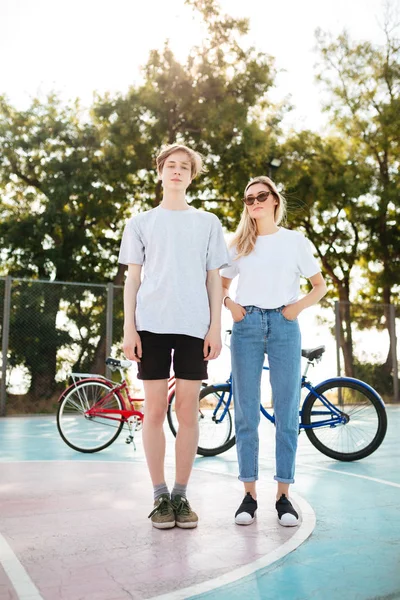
x=156, y=393
x=187, y=439
x=187, y=412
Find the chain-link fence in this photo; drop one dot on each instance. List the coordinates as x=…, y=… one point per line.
x=50, y=329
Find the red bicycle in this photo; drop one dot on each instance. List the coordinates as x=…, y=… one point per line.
x=93, y=411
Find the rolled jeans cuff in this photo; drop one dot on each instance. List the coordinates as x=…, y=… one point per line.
x=283, y=480
x=247, y=479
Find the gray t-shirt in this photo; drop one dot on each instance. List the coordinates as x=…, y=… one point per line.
x=177, y=248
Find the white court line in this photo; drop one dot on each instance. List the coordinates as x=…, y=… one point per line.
x=273, y=556
x=383, y=481
x=304, y=530
x=302, y=533
x=261, y=461
x=23, y=584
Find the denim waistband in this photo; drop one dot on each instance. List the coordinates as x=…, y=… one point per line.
x=250, y=309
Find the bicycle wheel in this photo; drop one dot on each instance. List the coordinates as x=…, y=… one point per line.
x=89, y=433
x=351, y=425
x=215, y=436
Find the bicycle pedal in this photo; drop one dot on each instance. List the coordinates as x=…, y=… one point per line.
x=129, y=440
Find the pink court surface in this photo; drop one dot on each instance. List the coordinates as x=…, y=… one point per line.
x=75, y=526
x=80, y=530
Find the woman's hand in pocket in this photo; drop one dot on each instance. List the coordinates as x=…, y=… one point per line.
x=238, y=312
x=291, y=312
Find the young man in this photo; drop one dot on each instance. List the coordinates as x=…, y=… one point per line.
x=177, y=306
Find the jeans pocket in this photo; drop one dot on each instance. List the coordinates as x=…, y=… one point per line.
x=241, y=320
x=288, y=320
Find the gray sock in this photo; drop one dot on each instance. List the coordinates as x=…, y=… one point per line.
x=178, y=489
x=159, y=489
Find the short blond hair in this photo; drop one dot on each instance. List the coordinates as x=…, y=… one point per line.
x=196, y=160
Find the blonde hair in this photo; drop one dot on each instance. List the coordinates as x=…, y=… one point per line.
x=246, y=234
x=196, y=160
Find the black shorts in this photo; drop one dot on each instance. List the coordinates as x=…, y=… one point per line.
x=188, y=358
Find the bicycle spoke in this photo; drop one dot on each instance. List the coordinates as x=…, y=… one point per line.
x=363, y=426
x=215, y=425
x=89, y=433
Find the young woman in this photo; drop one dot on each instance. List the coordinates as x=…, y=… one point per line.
x=269, y=260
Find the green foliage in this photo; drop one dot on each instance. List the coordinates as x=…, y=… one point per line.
x=325, y=183
x=216, y=102
x=61, y=210
x=70, y=179
x=376, y=376
x=363, y=82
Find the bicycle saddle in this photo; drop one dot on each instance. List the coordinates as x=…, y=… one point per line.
x=118, y=364
x=313, y=353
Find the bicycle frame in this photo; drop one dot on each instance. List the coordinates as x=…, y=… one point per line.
x=336, y=416
x=340, y=417
x=121, y=390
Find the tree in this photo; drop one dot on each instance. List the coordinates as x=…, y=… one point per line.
x=215, y=102
x=62, y=208
x=325, y=185
x=70, y=180
x=363, y=81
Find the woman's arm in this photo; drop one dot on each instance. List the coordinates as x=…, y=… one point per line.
x=132, y=345
x=319, y=289
x=212, y=341
x=237, y=310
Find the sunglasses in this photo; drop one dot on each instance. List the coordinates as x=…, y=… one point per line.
x=261, y=197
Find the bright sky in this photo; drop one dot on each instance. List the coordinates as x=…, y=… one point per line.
x=79, y=46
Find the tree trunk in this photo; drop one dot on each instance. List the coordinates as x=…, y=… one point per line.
x=98, y=364
x=387, y=188
x=158, y=195
x=388, y=364
x=43, y=366
x=346, y=337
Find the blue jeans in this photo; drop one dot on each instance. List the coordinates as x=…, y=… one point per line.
x=266, y=331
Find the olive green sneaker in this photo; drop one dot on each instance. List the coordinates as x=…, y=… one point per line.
x=185, y=517
x=163, y=515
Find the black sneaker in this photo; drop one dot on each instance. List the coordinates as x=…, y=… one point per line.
x=246, y=513
x=287, y=516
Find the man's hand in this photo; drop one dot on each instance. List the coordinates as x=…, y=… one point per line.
x=291, y=311
x=212, y=344
x=132, y=345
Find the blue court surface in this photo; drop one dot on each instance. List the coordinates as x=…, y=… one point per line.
x=74, y=526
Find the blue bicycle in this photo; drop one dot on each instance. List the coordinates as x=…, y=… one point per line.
x=344, y=418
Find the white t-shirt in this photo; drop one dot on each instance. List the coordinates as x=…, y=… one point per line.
x=269, y=277
x=177, y=248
